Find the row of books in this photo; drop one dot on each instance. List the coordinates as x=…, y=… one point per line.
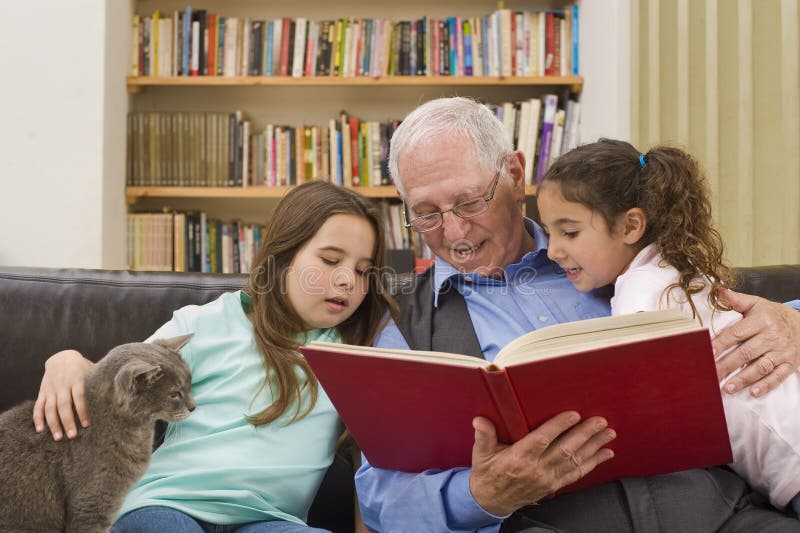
x=503, y=43
x=219, y=149
x=222, y=149
x=187, y=149
x=190, y=242
x=194, y=242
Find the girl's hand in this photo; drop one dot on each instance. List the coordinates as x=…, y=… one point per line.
x=60, y=391
x=768, y=339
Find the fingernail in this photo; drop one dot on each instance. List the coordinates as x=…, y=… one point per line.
x=730, y=387
x=71, y=433
x=756, y=391
x=39, y=429
x=57, y=435
x=85, y=424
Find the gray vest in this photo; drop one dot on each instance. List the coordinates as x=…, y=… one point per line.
x=445, y=328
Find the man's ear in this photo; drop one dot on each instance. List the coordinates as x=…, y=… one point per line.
x=634, y=224
x=516, y=169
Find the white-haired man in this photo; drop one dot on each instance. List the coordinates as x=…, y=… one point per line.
x=461, y=184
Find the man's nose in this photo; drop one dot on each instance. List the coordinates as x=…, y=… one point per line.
x=454, y=226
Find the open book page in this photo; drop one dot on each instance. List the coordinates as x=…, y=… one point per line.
x=583, y=335
x=411, y=355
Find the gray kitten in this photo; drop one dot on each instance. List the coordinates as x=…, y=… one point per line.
x=78, y=485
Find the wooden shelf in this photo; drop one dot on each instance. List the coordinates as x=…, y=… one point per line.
x=136, y=83
x=133, y=194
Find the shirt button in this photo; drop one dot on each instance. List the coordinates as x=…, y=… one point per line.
x=543, y=318
x=467, y=279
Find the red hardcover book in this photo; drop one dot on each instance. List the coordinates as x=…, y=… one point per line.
x=557, y=19
x=651, y=375
x=549, y=44
x=211, y=53
x=354, y=152
x=283, y=65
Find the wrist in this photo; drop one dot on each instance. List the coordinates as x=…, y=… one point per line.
x=488, y=499
x=462, y=510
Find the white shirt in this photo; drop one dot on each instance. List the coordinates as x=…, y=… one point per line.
x=764, y=432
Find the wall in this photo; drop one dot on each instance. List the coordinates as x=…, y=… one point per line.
x=52, y=134
x=720, y=78
x=606, y=68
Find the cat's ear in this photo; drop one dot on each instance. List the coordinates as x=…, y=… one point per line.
x=174, y=343
x=135, y=376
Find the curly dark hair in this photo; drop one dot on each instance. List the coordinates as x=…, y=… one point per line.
x=607, y=177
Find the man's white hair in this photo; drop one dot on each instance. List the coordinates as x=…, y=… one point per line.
x=452, y=118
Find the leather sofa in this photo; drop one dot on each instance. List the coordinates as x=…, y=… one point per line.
x=43, y=311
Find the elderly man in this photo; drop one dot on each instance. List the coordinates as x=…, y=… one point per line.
x=461, y=184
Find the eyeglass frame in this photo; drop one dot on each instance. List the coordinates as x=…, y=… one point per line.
x=408, y=223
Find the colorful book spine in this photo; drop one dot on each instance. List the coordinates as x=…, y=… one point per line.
x=546, y=136
x=467, y=48
x=268, y=54
x=575, y=41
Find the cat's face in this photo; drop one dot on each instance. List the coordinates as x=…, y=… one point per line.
x=154, y=381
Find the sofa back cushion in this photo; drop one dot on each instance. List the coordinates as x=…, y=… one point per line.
x=47, y=310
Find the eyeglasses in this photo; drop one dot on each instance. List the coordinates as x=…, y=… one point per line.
x=468, y=209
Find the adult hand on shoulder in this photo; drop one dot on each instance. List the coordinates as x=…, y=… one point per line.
x=559, y=452
x=60, y=391
x=768, y=339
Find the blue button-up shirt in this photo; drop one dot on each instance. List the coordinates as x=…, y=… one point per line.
x=534, y=293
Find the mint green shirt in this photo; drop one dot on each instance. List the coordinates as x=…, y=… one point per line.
x=217, y=467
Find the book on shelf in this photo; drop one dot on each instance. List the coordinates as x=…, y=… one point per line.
x=651, y=375
x=502, y=43
x=550, y=108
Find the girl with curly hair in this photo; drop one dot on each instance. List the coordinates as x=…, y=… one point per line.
x=643, y=223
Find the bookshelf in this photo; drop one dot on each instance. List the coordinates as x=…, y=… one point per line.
x=136, y=84
x=313, y=100
x=134, y=194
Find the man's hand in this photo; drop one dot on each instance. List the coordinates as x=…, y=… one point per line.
x=768, y=340
x=60, y=391
x=557, y=453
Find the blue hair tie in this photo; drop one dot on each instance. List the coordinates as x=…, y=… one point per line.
x=641, y=161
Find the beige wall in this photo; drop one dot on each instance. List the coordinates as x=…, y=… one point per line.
x=720, y=78
x=62, y=132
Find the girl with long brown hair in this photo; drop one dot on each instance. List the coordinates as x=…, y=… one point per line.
x=642, y=222
x=256, y=448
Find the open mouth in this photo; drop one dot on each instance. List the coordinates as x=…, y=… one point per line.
x=573, y=272
x=462, y=253
x=336, y=303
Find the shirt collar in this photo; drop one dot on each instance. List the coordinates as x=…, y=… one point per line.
x=444, y=272
x=318, y=334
